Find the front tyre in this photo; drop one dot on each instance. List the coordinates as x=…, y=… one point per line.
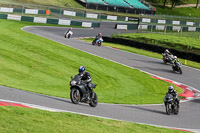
x=93, y=42
x=176, y=111
x=180, y=71
x=75, y=95
x=94, y=101
x=165, y=61
x=168, y=108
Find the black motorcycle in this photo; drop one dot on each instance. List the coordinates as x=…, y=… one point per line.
x=167, y=59
x=171, y=105
x=81, y=93
x=177, y=67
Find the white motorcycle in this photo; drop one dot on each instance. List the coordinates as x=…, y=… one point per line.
x=68, y=35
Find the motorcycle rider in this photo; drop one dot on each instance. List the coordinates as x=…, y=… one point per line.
x=168, y=55
x=174, y=61
x=98, y=37
x=173, y=92
x=86, y=78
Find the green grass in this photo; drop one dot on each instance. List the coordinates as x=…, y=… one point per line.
x=39, y=65
x=143, y=52
x=195, y=35
x=22, y=120
x=178, y=2
x=183, y=11
x=185, y=44
x=56, y=3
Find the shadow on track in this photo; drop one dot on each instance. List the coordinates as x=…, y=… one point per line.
x=146, y=109
x=149, y=61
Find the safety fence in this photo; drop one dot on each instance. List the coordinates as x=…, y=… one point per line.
x=49, y=20
x=168, y=25
x=70, y=12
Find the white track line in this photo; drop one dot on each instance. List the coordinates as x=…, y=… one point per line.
x=60, y=110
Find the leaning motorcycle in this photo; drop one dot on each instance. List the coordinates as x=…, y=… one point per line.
x=170, y=104
x=177, y=67
x=168, y=59
x=80, y=92
x=97, y=41
x=68, y=35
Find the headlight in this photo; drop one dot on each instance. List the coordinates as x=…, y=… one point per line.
x=73, y=83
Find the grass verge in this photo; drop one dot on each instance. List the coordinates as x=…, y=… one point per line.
x=143, y=52
x=185, y=44
x=16, y=119
x=36, y=64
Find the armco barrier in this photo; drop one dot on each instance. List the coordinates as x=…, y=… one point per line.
x=49, y=20
x=186, y=25
x=64, y=12
x=154, y=48
x=168, y=27
x=126, y=26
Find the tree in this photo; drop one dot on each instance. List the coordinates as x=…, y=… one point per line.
x=173, y=3
x=197, y=5
x=165, y=1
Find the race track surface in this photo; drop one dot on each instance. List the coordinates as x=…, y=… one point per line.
x=188, y=118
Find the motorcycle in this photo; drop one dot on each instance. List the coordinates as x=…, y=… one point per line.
x=171, y=105
x=168, y=59
x=97, y=41
x=177, y=67
x=81, y=93
x=68, y=35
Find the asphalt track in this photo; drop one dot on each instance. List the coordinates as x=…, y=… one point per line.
x=188, y=118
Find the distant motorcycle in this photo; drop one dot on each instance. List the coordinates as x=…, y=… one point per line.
x=168, y=59
x=171, y=105
x=177, y=67
x=97, y=41
x=68, y=35
x=80, y=92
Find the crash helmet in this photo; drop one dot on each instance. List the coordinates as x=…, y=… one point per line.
x=70, y=28
x=175, y=57
x=166, y=51
x=99, y=34
x=171, y=88
x=81, y=69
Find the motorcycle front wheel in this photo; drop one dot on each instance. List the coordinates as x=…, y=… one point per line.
x=93, y=42
x=94, y=101
x=75, y=95
x=180, y=71
x=164, y=61
x=168, y=108
x=176, y=111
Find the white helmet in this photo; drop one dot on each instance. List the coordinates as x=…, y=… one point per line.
x=171, y=88
x=167, y=51
x=175, y=57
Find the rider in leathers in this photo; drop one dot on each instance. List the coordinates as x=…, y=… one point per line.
x=174, y=61
x=86, y=78
x=173, y=92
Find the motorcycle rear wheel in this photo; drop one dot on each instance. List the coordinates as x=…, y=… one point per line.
x=94, y=101
x=75, y=95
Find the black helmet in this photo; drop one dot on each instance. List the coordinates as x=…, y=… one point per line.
x=171, y=88
x=81, y=69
